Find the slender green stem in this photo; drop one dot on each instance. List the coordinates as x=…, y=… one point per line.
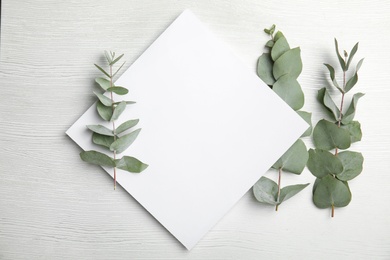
x=279, y=182
x=113, y=124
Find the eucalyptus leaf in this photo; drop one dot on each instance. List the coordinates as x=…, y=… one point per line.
x=108, y=57
x=127, y=102
x=126, y=125
x=118, y=110
x=103, y=83
x=288, y=88
x=289, y=191
x=102, y=70
x=307, y=117
x=118, y=69
x=264, y=69
x=270, y=43
x=266, y=191
x=321, y=163
x=124, y=142
x=354, y=130
x=280, y=47
x=118, y=90
x=116, y=60
x=104, y=112
x=326, y=100
x=333, y=77
x=278, y=35
x=350, y=114
x=288, y=63
x=352, y=54
x=327, y=136
x=331, y=192
x=98, y=158
x=100, y=130
x=294, y=159
x=359, y=64
x=131, y=164
x=105, y=100
x=341, y=60
x=351, y=82
x=102, y=140
x=352, y=163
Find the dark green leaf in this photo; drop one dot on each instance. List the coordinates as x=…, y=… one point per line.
x=266, y=191
x=333, y=77
x=280, y=47
x=322, y=163
x=294, y=159
x=353, y=165
x=102, y=140
x=104, y=112
x=131, y=164
x=351, y=83
x=330, y=191
x=264, y=69
x=315, y=184
x=124, y=142
x=289, y=63
x=327, y=136
x=353, y=51
x=116, y=60
x=100, y=130
x=354, y=130
x=290, y=91
x=118, y=110
x=350, y=114
x=103, y=83
x=270, y=43
x=341, y=60
x=118, y=90
x=307, y=117
x=325, y=99
x=127, y=125
x=98, y=158
x=102, y=70
x=289, y=191
x=105, y=100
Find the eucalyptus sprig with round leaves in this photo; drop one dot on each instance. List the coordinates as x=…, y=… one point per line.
x=332, y=167
x=279, y=69
x=117, y=139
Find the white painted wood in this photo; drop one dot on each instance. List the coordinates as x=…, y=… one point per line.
x=48, y=210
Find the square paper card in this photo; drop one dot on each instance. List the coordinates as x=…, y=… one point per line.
x=210, y=129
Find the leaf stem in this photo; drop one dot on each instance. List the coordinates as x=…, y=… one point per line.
x=279, y=181
x=341, y=107
x=332, y=211
x=113, y=124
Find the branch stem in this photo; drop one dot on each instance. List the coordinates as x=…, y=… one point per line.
x=279, y=182
x=113, y=124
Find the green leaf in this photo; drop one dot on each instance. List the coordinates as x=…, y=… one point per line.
x=359, y=64
x=98, y=158
x=264, y=69
x=333, y=78
x=327, y=136
x=353, y=165
x=290, y=91
x=331, y=192
x=266, y=191
x=116, y=60
x=100, y=130
x=105, y=100
x=126, y=125
x=325, y=99
x=354, y=130
x=294, y=159
x=353, y=51
x=321, y=163
x=316, y=184
x=118, y=110
x=119, y=69
x=102, y=140
x=127, y=102
x=289, y=63
x=104, y=112
x=103, y=83
x=131, y=164
x=124, y=142
x=341, y=60
x=108, y=57
x=351, y=82
x=118, y=90
x=307, y=117
x=102, y=70
x=270, y=43
x=289, y=191
x=350, y=114
x=278, y=35
x=280, y=47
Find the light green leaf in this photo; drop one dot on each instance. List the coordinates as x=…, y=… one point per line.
x=327, y=136
x=127, y=125
x=100, y=130
x=102, y=70
x=333, y=77
x=278, y=35
x=108, y=57
x=289, y=191
x=294, y=159
x=105, y=100
x=307, y=117
x=341, y=60
x=127, y=102
x=116, y=60
x=353, y=51
x=264, y=69
x=270, y=43
x=322, y=163
x=131, y=164
x=353, y=165
x=330, y=191
x=266, y=191
x=325, y=99
x=118, y=90
x=102, y=140
x=118, y=110
x=104, y=112
x=350, y=114
x=119, y=69
x=98, y=158
x=359, y=64
x=280, y=47
x=289, y=63
x=290, y=91
x=124, y=142
x=354, y=130
x=103, y=83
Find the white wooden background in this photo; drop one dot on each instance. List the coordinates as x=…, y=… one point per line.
x=54, y=206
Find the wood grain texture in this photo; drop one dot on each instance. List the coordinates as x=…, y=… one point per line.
x=54, y=206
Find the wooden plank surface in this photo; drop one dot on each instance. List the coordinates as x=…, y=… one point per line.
x=54, y=206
